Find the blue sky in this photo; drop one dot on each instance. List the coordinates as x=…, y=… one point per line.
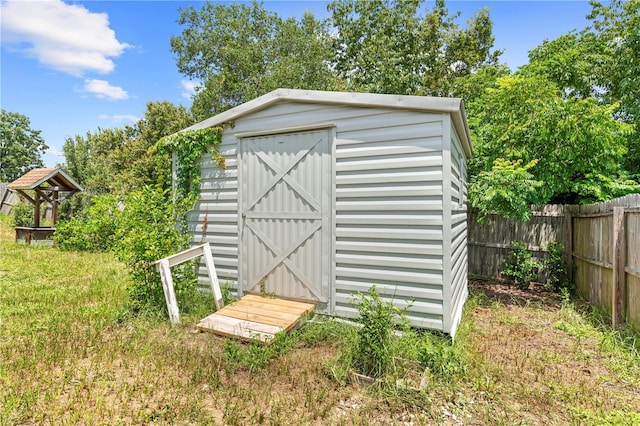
x=75, y=66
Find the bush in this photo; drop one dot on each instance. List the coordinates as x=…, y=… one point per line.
x=146, y=226
x=555, y=268
x=22, y=214
x=520, y=266
x=93, y=229
x=152, y=227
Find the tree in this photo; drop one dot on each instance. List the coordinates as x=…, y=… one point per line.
x=20, y=146
x=617, y=24
x=239, y=52
x=383, y=46
x=508, y=189
x=137, y=162
x=572, y=61
x=90, y=159
x=120, y=160
x=577, y=144
x=601, y=61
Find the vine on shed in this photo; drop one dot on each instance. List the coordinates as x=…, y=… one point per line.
x=189, y=147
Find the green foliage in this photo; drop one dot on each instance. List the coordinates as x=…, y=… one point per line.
x=22, y=214
x=520, y=265
x=555, y=267
x=385, y=46
x=507, y=189
x=443, y=359
x=227, y=293
x=136, y=161
x=151, y=224
x=189, y=147
x=148, y=232
x=120, y=160
x=569, y=62
x=373, y=352
x=93, y=229
x=573, y=140
x=90, y=159
x=241, y=51
x=617, y=25
x=20, y=146
x=140, y=229
x=254, y=356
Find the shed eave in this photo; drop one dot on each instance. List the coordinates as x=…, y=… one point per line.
x=451, y=106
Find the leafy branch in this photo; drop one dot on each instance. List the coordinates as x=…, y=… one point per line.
x=189, y=147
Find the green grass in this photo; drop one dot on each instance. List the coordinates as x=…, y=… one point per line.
x=70, y=353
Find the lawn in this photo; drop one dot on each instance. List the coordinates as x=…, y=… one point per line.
x=71, y=353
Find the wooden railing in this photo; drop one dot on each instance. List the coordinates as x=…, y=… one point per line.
x=164, y=267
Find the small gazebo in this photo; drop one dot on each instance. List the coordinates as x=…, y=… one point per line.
x=50, y=185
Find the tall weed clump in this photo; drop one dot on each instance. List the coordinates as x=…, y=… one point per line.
x=152, y=227
x=373, y=351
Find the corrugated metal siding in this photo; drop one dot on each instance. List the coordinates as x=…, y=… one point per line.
x=219, y=203
x=389, y=212
x=458, y=284
x=388, y=205
x=286, y=208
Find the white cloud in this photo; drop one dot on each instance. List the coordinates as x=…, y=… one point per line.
x=119, y=118
x=102, y=89
x=188, y=88
x=54, y=151
x=64, y=37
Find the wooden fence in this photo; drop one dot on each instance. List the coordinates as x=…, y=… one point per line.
x=8, y=199
x=489, y=243
x=602, y=243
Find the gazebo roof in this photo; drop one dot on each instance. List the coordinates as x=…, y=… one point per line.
x=54, y=177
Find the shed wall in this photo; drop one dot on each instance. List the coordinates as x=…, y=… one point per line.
x=388, y=205
x=459, y=263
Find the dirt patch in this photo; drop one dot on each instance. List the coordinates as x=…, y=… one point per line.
x=509, y=295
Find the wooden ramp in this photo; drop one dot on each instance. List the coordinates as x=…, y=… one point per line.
x=255, y=318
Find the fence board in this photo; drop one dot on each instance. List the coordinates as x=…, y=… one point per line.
x=587, y=232
x=490, y=242
x=8, y=199
x=633, y=264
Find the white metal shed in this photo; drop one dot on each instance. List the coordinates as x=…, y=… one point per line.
x=328, y=193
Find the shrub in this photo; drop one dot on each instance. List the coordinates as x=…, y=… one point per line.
x=22, y=214
x=555, y=268
x=520, y=266
x=93, y=229
x=148, y=232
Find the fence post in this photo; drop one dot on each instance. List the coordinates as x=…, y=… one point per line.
x=618, y=296
x=568, y=242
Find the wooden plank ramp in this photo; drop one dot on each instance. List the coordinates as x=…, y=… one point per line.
x=256, y=318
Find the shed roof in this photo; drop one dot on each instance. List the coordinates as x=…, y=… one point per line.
x=53, y=176
x=453, y=106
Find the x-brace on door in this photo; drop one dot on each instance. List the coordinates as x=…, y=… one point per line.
x=285, y=203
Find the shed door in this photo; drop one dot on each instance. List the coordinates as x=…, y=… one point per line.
x=285, y=207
